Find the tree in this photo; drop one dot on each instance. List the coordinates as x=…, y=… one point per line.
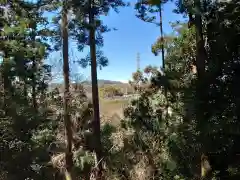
x=95, y=28
x=27, y=132
x=67, y=119
x=152, y=6
x=110, y=91
x=148, y=113
x=95, y=96
x=187, y=133
x=201, y=58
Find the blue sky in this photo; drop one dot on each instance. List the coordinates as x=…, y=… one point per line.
x=121, y=46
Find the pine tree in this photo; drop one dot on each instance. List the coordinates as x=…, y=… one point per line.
x=67, y=118
x=26, y=132
x=152, y=6
x=95, y=95
x=91, y=11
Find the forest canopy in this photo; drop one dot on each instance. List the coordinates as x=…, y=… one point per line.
x=182, y=122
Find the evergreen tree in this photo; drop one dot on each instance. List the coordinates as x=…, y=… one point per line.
x=186, y=132
x=84, y=27
x=23, y=136
x=67, y=117
x=146, y=7
x=95, y=27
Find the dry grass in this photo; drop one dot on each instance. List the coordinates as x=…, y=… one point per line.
x=142, y=170
x=112, y=110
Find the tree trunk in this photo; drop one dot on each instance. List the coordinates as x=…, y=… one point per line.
x=34, y=96
x=34, y=65
x=67, y=119
x=161, y=32
x=163, y=61
x=201, y=52
x=95, y=96
x=25, y=90
x=6, y=85
x=201, y=57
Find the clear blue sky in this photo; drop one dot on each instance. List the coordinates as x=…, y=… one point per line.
x=121, y=46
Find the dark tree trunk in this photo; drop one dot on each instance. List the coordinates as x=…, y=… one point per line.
x=6, y=85
x=201, y=52
x=162, y=38
x=163, y=59
x=34, y=66
x=25, y=88
x=34, y=96
x=67, y=119
x=200, y=64
x=95, y=96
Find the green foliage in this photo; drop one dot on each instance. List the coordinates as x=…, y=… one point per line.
x=177, y=142
x=147, y=8
x=79, y=27
x=160, y=136
x=110, y=91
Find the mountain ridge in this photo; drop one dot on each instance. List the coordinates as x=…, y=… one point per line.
x=102, y=82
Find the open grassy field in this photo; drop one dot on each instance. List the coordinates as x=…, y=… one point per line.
x=111, y=110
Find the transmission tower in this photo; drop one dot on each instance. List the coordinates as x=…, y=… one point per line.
x=138, y=83
x=138, y=61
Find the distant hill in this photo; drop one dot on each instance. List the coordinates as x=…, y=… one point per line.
x=101, y=82
x=123, y=86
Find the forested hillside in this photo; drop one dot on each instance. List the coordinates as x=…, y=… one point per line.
x=184, y=124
